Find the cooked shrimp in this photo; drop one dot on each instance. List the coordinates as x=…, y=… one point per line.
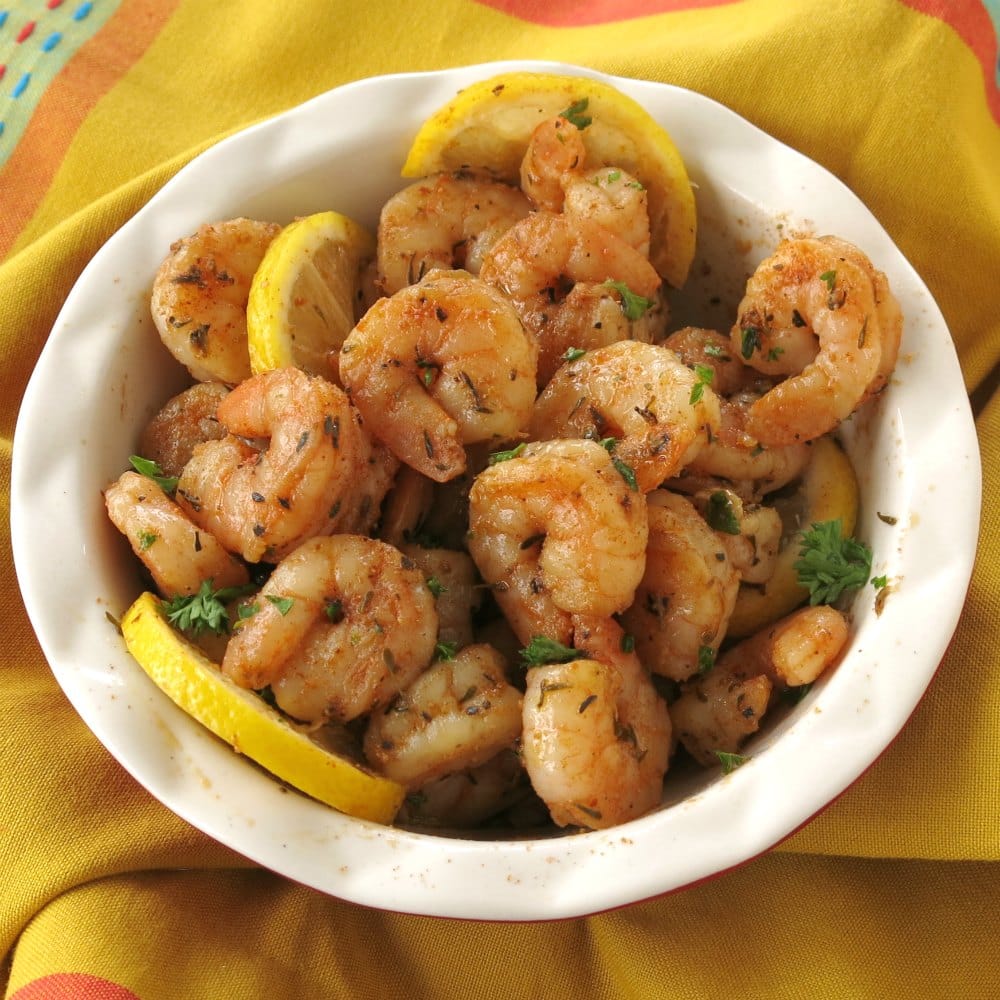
x=818, y=311
x=686, y=597
x=718, y=712
x=319, y=474
x=448, y=220
x=557, y=531
x=749, y=532
x=406, y=506
x=560, y=274
x=596, y=741
x=695, y=346
x=639, y=394
x=187, y=419
x=555, y=151
x=465, y=799
x=456, y=715
x=200, y=295
x=452, y=579
x=793, y=651
x=178, y=555
x=342, y=625
x=439, y=365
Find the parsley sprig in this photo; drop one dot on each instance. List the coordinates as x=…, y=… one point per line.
x=542, y=650
x=204, y=611
x=831, y=563
x=147, y=467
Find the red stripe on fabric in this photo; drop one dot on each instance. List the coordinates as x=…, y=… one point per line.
x=577, y=13
x=25, y=32
x=971, y=22
x=92, y=71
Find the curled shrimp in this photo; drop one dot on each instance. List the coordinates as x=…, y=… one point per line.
x=596, y=740
x=819, y=312
x=456, y=715
x=574, y=284
x=200, y=295
x=444, y=221
x=185, y=420
x=557, y=531
x=452, y=578
x=641, y=395
x=439, y=365
x=752, y=533
x=555, y=151
x=179, y=555
x=687, y=594
x=342, y=625
x=320, y=473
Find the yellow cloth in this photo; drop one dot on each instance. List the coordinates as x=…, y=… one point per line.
x=891, y=892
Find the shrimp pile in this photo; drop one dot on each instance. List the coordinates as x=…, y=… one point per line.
x=502, y=552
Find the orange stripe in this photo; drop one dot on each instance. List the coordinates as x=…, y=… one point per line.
x=94, y=69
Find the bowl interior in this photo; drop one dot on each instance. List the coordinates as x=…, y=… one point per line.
x=343, y=151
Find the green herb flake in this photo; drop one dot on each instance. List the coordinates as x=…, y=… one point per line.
x=750, y=341
x=706, y=659
x=628, y=643
x=151, y=470
x=573, y=354
x=880, y=582
x=830, y=563
x=829, y=278
x=147, y=539
x=506, y=456
x=204, y=611
x=334, y=611
x=574, y=114
x=627, y=473
x=715, y=351
x=720, y=514
x=703, y=376
x=445, y=650
x=634, y=306
x=542, y=650
x=435, y=586
x=283, y=604
x=730, y=761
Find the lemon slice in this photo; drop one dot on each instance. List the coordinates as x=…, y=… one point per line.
x=248, y=723
x=304, y=294
x=828, y=490
x=487, y=126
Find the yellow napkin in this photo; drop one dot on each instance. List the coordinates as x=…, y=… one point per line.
x=891, y=892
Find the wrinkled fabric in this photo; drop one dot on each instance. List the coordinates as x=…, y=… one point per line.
x=891, y=891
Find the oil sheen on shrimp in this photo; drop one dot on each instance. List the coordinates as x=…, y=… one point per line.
x=342, y=625
x=444, y=221
x=200, y=295
x=687, y=593
x=819, y=312
x=596, y=740
x=639, y=394
x=557, y=271
x=456, y=715
x=178, y=555
x=557, y=530
x=320, y=472
x=439, y=365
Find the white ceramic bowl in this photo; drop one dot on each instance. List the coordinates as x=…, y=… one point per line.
x=915, y=451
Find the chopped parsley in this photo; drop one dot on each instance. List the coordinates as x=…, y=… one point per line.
x=146, y=539
x=730, y=761
x=542, y=650
x=445, y=650
x=880, y=582
x=720, y=514
x=204, y=611
x=505, y=456
x=151, y=470
x=574, y=114
x=831, y=564
x=703, y=376
x=706, y=659
x=750, y=341
x=283, y=604
x=573, y=353
x=634, y=306
x=435, y=586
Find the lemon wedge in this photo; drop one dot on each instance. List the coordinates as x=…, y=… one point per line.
x=249, y=724
x=304, y=294
x=487, y=126
x=827, y=490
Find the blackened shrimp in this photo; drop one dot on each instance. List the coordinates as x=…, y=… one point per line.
x=200, y=295
x=320, y=472
x=557, y=530
x=444, y=221
x=342, y=625
x=639, y=394
x=439, y=365
x=819, y=312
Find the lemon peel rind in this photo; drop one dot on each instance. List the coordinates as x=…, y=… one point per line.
x=247, y=723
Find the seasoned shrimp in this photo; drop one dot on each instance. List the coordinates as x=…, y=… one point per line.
x=452, y=578
x=200, y=295
x=456, y=715
x=439, y=365
x=319, y=474
x=557, y=531
x=187, y=419
x=596, y=740
x=342, y=625
x=639, y=394
x=818, y=311
x=448, y=220
x=178, y=555
x=465, y=799
x=564, y=275
x=687, y=593
x=697, y=346
x=749, y=532
x=555, y=152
